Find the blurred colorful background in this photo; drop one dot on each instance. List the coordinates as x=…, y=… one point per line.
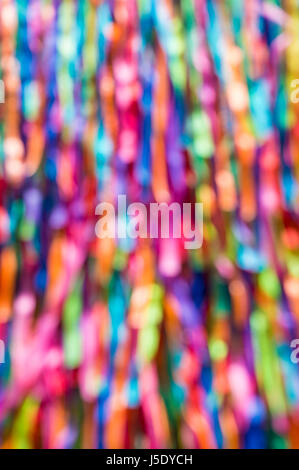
x=140, y=343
